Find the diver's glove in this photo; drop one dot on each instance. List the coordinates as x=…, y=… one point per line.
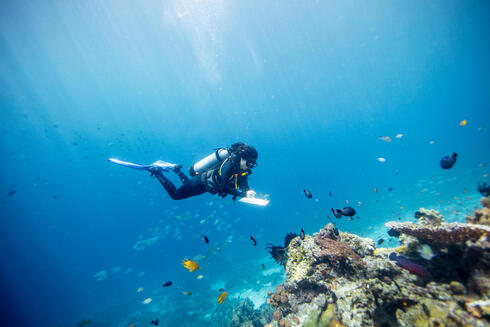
x=154, y=171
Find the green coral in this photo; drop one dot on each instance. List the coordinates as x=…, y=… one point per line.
x=324, y=319
x=300, y=261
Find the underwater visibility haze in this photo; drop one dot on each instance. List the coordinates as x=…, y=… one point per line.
x=348, y=104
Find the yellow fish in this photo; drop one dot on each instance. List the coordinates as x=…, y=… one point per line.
x=187, y=293
x=200, y=277
x=463, y=123
x=190, y=265
x=140, y=289
x=148, y=300
x=222, y=297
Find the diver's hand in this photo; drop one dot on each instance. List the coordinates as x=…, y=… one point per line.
x=251, y=193
x=222, y=194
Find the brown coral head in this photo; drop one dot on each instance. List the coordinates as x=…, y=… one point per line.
x=277, y=315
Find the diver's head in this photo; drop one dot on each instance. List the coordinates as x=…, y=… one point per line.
x=246, y=154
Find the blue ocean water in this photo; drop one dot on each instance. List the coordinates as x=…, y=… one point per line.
x=311, y=84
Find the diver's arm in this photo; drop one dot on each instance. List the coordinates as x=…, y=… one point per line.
x=234, y=192
x=243, y=183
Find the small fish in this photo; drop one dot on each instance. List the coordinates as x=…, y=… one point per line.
x=10, y=193
x=206, y=239
x=347, y=211
x=167, y=284
x=200, y=277
x=385, y=138
x=148, y=300
x=325, y=272
x=425, y=251
x=448, y=161
x=221, y=290
x=399, y=136
x=380, y=159
x=376, y=190
x=263, y=267
x=154, y=322
x=139, y=290
x=253, y=240
x=380, y=241
x=190, y=265
x=84, y=322
x=222, y=297
x=390, y=188
x=432, y=142
x=187, y=293
x=302, y=234
x=346, y=201
x=330, y=194
x=411, y=266
x=308, y=194
x=463, y=122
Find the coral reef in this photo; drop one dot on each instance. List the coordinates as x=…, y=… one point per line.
x=429, y=217
x=339, y=279
x=240, y=313
x=481, y=216
x=442, y=235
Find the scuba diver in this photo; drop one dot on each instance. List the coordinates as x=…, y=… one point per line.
x=223, y=172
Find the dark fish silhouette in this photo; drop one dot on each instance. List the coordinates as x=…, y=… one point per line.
x=302, y=234
x=253, y=240
x=206, y=239
x=154, y=322
x=484, y=189
x=448, y=161
x=330, y=193
x=308, y=194
x=393, y=233
x=167, y=284
x=221, y=290
x=390, y=188
x=347, y=211
x=10, y=193
x=380, y=241
x=263, y=267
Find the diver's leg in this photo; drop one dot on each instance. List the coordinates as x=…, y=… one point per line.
x=194, y=186
x=167, y=184
x=183, y=178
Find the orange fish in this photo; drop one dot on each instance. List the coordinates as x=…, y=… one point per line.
x=463, y=123
x=325, y=272
x=190, y=265
x=222, y=297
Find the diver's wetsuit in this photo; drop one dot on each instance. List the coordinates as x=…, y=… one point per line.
x=226, y=179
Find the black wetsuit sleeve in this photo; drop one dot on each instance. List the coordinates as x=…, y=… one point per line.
x=243, y=183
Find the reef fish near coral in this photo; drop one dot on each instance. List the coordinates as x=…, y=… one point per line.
x=411, y=266
x=222, y=297
x=347, y=211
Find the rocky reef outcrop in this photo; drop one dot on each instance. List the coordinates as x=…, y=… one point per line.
x=335, y=278
x=240, y=313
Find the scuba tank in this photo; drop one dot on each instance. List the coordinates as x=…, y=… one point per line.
x=210, y=161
